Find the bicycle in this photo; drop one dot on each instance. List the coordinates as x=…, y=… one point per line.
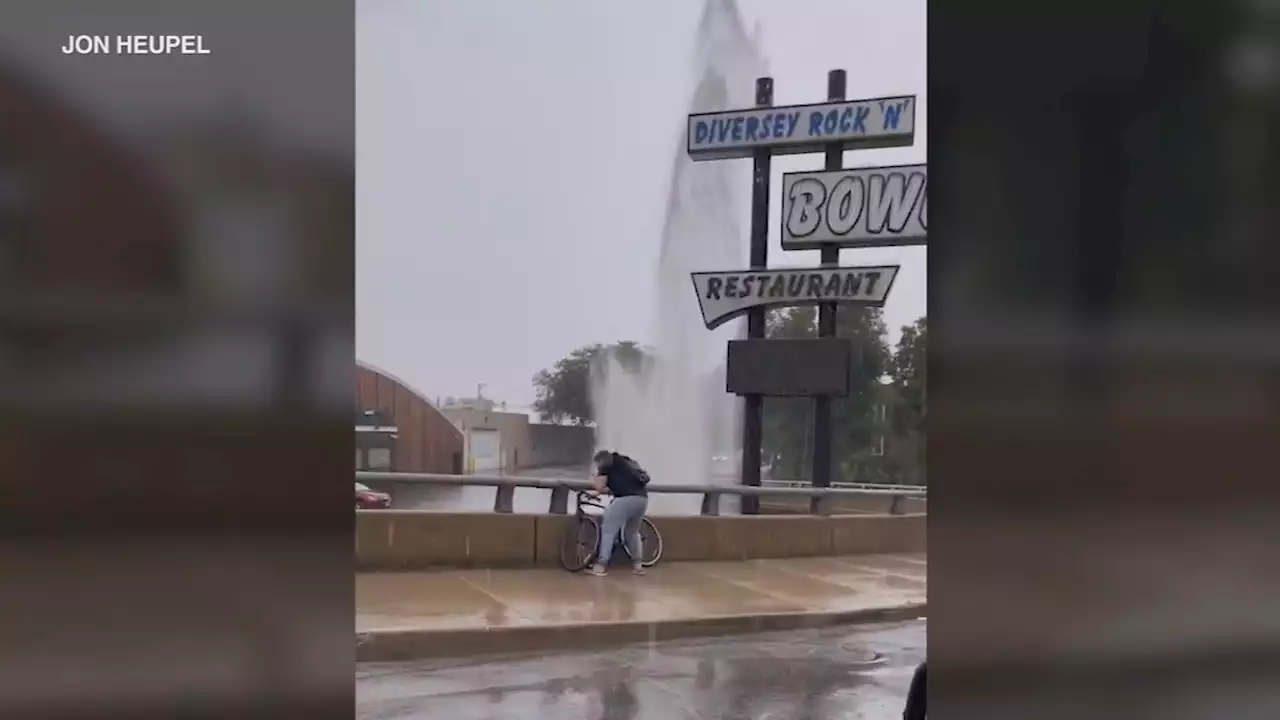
x=581, y=543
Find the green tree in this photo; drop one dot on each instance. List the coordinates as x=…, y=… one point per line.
x=857, y=422
x=563, y=394
x=908, y=372
x=788, y=422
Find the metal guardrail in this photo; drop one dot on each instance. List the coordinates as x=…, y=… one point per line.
x=821, y=499
x=920, y=490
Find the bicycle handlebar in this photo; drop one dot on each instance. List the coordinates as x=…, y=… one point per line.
x=589, y=498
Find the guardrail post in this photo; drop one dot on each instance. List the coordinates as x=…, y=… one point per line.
x=820, y=505
x=895, y=507
x=711, y=503
x=559, y=501
x=504, y=498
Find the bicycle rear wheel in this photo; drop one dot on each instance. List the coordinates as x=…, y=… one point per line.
x=650, y=543
x=580, y=544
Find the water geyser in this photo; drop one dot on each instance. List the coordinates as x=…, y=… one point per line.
x=672, y=414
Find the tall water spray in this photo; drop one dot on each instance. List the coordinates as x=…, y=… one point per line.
x=672, y=414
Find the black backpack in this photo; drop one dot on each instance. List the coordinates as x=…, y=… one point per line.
x=633, y=467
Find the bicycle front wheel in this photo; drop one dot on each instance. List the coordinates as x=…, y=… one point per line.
x=580, y=544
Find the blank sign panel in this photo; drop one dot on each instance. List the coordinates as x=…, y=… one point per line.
x=788, y=368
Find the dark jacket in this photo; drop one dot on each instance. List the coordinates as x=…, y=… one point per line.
x=623, y=478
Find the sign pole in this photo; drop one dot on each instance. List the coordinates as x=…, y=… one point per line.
x=753, y=405
x=823, y=433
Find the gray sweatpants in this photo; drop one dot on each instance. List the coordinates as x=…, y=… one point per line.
x=623, y=515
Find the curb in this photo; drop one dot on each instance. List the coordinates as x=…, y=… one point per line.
x=401, y=645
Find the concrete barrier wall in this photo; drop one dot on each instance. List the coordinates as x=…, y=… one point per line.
x=874, y=504
x=401, y=540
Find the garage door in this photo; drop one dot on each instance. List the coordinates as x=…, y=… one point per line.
x=486, y=451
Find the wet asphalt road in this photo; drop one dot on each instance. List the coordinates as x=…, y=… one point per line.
x=832, y=674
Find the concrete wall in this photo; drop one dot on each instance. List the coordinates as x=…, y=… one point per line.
x=517, y=446
x=872, y=504
x=560, y=445
x=393, y=540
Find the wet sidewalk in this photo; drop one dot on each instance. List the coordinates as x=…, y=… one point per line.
x=423, y=614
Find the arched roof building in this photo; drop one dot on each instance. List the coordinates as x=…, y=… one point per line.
x=423, y=439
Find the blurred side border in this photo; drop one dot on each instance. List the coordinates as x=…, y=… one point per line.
x=176, y=363
x=1103, y=361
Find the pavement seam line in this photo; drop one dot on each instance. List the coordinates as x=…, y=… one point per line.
x=638, y=596
x=713, y=576
x=798, y=573
x=861, y=568
x=855, y=559
x=878, y=570
x=850, y=562
x=784, y=598
x=506, y=606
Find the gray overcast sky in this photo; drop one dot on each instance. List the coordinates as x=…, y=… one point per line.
x=513, y=158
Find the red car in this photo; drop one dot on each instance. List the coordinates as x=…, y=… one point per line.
x=369, y=499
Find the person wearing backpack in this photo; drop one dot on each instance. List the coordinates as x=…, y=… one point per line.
x=623, y=478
